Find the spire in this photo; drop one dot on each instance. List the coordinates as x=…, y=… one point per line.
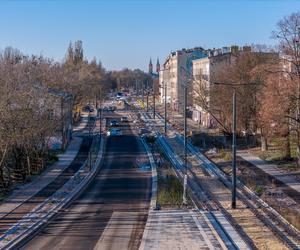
x=150, y=67
x=157, y=66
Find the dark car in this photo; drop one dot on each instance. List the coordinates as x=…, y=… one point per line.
x=124, y=119
x=88, y=108
x=143, y=131
x=111, y=108
x=114, y=123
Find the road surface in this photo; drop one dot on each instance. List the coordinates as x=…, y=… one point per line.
x=112, y=212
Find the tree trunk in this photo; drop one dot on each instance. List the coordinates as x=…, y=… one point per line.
x=264, y=143
x=287, y=147
x=298, y=149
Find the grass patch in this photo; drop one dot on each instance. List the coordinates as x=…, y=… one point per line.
x=259, y=190
x=3, y=196
x=170, y=189
x=225, y=154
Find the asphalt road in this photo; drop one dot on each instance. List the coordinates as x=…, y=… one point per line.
x=111, y=213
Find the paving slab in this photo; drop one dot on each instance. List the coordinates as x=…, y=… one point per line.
x=271, y=169
x=177, y=229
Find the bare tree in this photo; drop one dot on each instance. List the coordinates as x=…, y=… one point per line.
x=288, y=35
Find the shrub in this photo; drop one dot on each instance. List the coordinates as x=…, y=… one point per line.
x=150, y=138
x=259, y=190
x=225, y=155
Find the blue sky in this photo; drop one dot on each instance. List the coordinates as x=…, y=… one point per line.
x=126, y=33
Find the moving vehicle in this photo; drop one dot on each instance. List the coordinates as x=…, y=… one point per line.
x=114, y=132
x=114, y=123
x=143, y=131
x=111, y=108
x=119, y=95
x=124, y=119
x=88, y=108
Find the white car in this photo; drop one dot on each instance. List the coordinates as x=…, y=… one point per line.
x=114, y=132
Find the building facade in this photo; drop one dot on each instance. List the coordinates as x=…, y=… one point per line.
x=201, y=89
x=176, y=74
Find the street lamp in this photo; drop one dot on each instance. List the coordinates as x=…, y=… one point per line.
x=184, y=199
x=147, y=100
x=233, y=187
x=165, y=99
x=153, y=88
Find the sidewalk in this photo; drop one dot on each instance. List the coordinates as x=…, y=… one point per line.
x=26, y=191
x=271, y=169
x=178, y=229
x=83, y=122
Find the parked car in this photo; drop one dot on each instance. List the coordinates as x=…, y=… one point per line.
x=114, y=123
x=114, y=132
x=124, y=119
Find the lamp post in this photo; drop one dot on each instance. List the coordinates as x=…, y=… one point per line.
x=165, y=99
x=233, y=187
x=233, y=197
x=100, y=117
x=147, y=100
x=153, y=88
x=184, y=199
x=185, y=180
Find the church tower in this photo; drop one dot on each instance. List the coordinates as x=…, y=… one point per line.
x=150, y=67
x=157, y=66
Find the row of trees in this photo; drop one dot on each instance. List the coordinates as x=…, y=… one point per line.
x=267, y=84
x=25, y=123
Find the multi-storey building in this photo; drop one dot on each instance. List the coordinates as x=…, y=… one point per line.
x=176, y=74
x=198, y=69
x=212, y=69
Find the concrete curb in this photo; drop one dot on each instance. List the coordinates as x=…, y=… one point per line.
x=32, y=230
x=153, y=202
x=154, y=175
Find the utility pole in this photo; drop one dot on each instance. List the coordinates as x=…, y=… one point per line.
x=165, y=89
x=233, y=202
x=100, y=118
x=184, y=199
x=153, y=88
x=147, y=100
x=90, y=160
x=96, y=99
x=143, y=95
